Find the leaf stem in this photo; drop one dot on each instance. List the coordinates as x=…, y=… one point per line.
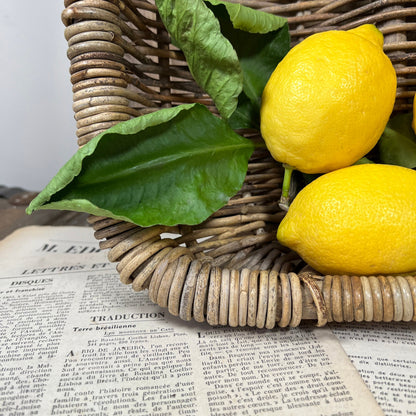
x=285, y=197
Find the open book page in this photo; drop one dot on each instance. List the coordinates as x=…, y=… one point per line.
x=385, y=356
x=74, y=340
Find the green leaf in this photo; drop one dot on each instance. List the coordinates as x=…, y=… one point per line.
x=261, y=40
x=246, y=115
x=229, y=48
x=402, y=123
x=250, y=20
x=174, y=166
x=363, y=161
x=211, y=58
x=397, y=145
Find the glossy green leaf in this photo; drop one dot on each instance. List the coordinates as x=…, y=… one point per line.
x=397, y=145
x=246, y=115
x=174, y=166
x=261, y=40
x=248, y=19
x=211, y=58
x=229, y=48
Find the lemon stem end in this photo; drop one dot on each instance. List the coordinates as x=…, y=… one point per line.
x=285, y=197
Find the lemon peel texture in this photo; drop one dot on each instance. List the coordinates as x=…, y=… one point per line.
x=359, y=220
x=327, y=102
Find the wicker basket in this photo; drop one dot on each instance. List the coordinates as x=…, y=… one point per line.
x=229, y=270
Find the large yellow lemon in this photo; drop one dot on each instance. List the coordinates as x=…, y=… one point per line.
x=357, y=220
x=327, y=102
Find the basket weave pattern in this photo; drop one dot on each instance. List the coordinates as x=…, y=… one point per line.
x=229, y=270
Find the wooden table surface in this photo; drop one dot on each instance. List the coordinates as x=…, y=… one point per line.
x=13, y=203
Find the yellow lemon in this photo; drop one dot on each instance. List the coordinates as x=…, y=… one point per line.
x=357, y=220
x=327, y=102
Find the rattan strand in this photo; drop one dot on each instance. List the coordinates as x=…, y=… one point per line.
x=253, y=297
x=229, y=270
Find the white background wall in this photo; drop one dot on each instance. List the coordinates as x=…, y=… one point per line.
x=37, y=127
